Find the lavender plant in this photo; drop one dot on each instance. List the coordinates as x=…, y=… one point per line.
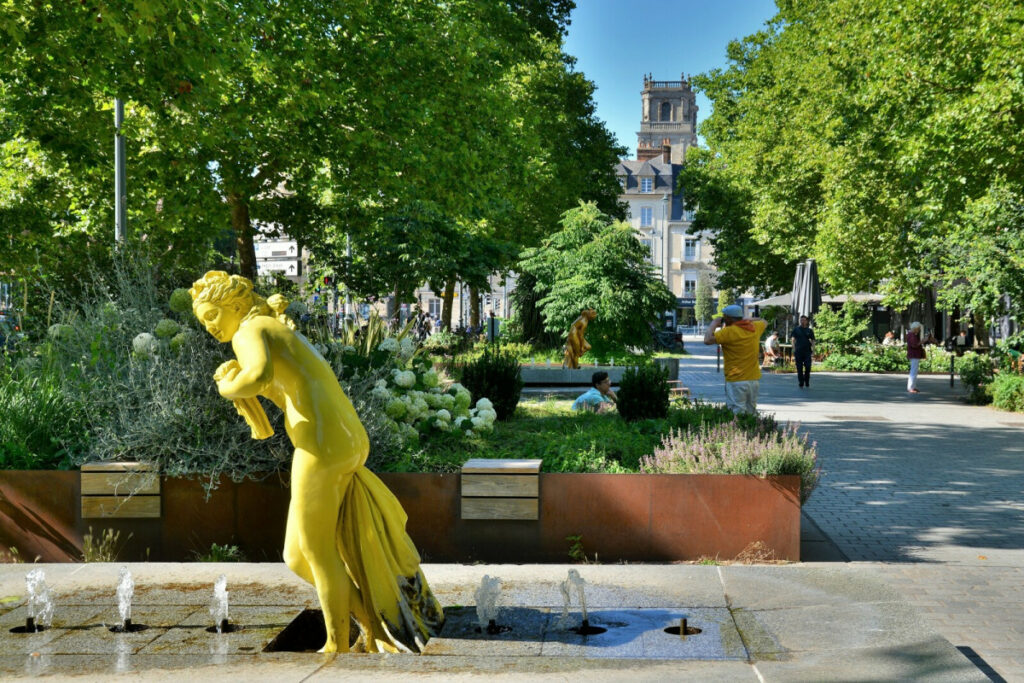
x=732, y=448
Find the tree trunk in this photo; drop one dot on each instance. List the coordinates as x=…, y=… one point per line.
x=980, y=330
x=474, y=307
x=242, y=226
x=449, y=301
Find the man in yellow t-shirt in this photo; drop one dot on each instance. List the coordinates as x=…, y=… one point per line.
x=740, y=339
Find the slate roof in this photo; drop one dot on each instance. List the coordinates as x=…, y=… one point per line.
x=664, y=174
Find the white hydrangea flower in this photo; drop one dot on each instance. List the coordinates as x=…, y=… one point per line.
x=430, y=378
x=405, y=379
x=433, y=400
x=390, y=345
x=459, y=421
x=463, y=399
x=396, y=409
x=488, y=415
x=448, y=402
x=484, y=404
x=444, y=415
x=442, y=425
x=406, y=347
x=421, y=407
x=481, y=425
x=145, y=343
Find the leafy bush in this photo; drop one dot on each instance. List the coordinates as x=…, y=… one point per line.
x=1008, y=392
x=975, y=372
x=643, y=393
x=842, y=329
x=730, y=448
x=444, y=342
x=868, y=357
x=42, y=426
x=496, y=375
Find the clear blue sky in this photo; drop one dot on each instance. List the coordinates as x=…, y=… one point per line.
x=616, y=42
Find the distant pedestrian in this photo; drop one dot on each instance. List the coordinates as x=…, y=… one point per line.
x=803, y=351
x=739, y=338
x=915, y=352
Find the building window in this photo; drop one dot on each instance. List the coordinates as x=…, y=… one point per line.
x=647, y=184
x=689, y=288
x=435, y=306
x=691, y=250
x=649, y=245
x=622, y=182
x=666, y=111
x=688, y=215
x=646, y=216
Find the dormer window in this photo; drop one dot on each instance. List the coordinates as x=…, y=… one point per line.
x=647, y=184
x=622, y=182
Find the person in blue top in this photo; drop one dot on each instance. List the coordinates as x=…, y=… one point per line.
x=599, y=397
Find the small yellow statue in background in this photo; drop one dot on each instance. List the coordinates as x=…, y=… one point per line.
x=346, y=531
x=576, y=345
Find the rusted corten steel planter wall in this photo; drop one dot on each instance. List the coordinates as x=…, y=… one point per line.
x=634, y=517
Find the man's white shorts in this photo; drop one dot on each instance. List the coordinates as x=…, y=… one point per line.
x=741, y=397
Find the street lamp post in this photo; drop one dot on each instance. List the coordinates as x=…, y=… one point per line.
x=120, y=191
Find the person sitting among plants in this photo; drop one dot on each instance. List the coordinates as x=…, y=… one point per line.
x=772, y=349
x=599, y=397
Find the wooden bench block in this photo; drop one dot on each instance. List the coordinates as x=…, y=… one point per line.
x=121, y=507
x=122, y=490
x=500, y=508
x=120, y=483
x=500, y=485
x=501, y=489
x=498, y=466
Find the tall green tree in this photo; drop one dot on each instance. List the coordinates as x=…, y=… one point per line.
x=862, y=133
x=704, y=305
x=596, y=262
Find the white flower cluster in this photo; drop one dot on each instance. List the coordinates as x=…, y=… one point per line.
x=416, y=402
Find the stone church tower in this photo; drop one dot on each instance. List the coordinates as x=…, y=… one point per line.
x=669, y=119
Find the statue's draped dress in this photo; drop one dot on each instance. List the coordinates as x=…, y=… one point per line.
x=385, y=566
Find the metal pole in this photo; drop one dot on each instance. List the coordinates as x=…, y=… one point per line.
x=952, y=359
x=120, y=191
x=349, y=313
x=718, y=358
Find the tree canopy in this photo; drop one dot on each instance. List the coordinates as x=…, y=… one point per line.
x=319, y=118
x=597, y=262
x=875, y=137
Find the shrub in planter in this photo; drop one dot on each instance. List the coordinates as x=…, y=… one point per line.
x=643, y=393
x=1008, y=392
x=975, y=372
x=496, y=375
x=731, y=448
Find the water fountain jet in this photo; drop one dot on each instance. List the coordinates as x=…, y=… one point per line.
x=219, y=608
x=575, y=582
x=486, y=605
x=125, y=593
x=40, y=605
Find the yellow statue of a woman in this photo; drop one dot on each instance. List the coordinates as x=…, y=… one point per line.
x=346, y=531
x=576, y=345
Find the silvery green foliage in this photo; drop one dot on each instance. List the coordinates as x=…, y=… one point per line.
x=162, y=406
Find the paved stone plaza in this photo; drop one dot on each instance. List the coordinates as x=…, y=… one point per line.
x=914, y=569
x=924, y=489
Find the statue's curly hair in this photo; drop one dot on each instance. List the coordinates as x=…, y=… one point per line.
x=217, y=287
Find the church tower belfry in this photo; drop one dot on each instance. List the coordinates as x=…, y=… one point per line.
x=669, y=117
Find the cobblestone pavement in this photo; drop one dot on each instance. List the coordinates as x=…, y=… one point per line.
x=927, y=488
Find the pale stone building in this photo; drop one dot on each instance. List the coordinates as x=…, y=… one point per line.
x=649, y=189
